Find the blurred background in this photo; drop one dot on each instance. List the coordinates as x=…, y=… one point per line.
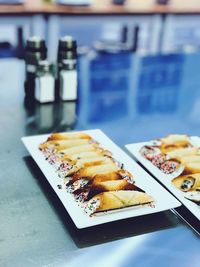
x=137, y=62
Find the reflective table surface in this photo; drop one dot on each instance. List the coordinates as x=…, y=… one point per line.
x=35, y=229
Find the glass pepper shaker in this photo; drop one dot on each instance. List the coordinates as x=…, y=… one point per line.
x=35, y=51
x=67, y=50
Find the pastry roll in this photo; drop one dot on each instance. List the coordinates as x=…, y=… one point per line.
x=179, y=153
x=179, y=139
x=76, y=184
x=116, y=200
x=63, y=144
x=170, y=166
x=97, y=153
x=55, y=157
x=97, y=188
x=192, y=167
x=187, y=182
x=188, y=159
x=149, y=152
x=68, y=167
x=115, y=175
x=73, y=182
x=68, y=136
x=115, y=185
x=107, y=169
x=168, y=148
x=90, y=154
x=77, y=149
x=98, y=160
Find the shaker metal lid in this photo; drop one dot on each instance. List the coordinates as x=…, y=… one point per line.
x=67, y=43
x=36, y=42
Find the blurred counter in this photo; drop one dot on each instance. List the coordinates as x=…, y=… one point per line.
x=104, y=7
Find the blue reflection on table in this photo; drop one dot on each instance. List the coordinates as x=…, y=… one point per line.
x=135, y=97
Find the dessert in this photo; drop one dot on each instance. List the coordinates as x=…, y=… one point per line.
x=91, y=174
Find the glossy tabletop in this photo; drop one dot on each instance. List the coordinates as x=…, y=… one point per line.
x=35, y=229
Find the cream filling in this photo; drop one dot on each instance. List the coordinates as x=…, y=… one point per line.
x=149, y=152
x=92, y=206
x=169, y=167
x=64, y=167
x=82, y=196
x=187, y=184
x=128, y=178
x=47, y=152
x=159, y=159
x=77, y=185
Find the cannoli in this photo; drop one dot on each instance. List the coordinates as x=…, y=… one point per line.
x=189, y=159
x=187, y=182
x=114, y=175
x=96, y=188
x=102, y=170
x=66, y=136
x=115, y=200
x=98, y=160
x=75, y=184
x=149, y=152
x=192, y=167
x=54, y=155
x=170, y=166
x=63, y=144
x=179, y=153
x=178, y=139
x=158, y=160
x=77, y=149
x=168, y=148
x=90, y=154
x=68, y=167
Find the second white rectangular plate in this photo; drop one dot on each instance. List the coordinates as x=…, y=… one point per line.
x=166, y=179
x=163, y=199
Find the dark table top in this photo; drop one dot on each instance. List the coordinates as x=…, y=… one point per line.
x=35, y=229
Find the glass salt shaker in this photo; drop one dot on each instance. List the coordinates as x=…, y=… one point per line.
x=45, y=82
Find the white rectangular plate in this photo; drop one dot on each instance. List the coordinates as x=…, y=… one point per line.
x=163, y=199
x=165, y=178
